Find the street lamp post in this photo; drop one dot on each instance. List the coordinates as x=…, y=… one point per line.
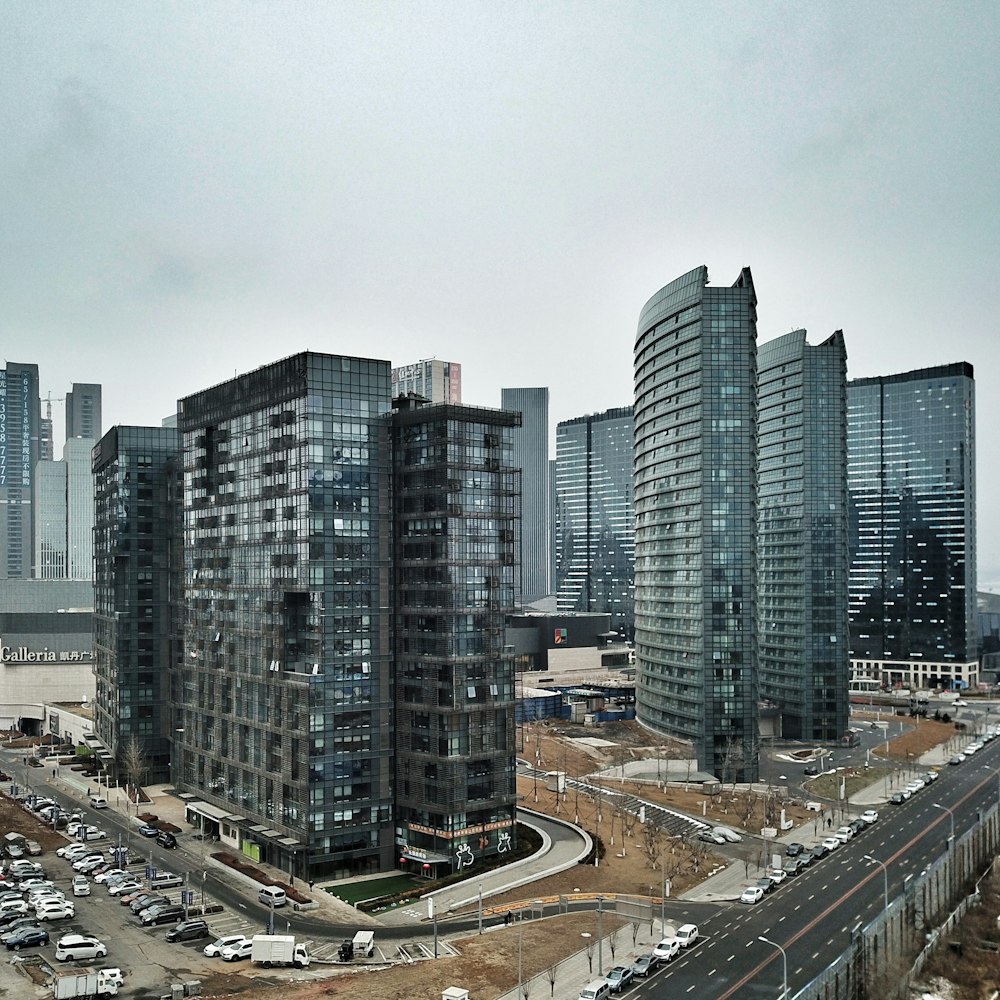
x=784, y=965
x=951, y=817
x=885, y=878
x=600, y=936
x=480, y=907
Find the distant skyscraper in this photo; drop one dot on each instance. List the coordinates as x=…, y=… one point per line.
x=596, y=517
x=20, y=431
x=83, y=411
x=50, y=520
x=802, y=533
x=531, y=455
x=695, y=501
x=911, y=474
x=437, y=381
x=79, y=508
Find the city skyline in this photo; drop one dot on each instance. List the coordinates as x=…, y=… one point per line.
x=503, y=190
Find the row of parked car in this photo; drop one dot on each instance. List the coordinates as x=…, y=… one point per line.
x=973, y=748
x=616, y=979
x=798, y=857
x=912, y=787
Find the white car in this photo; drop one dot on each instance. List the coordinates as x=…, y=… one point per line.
x=959, y=703
x=79, y=946
x=89, y=833
x=666, y=950
x=72, y=850
x=53, y=909
x=777, y=875
x=110, y=874
x=843, y=834
x=831, y=843
x=13, y=906
x=215, y=949
x=686, y=935
x=115, y=975
x=237, y=952
x=81, y=885
x=752, y=894
x=124, y=887
x=869, y=816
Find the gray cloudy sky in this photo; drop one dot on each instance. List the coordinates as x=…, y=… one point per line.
x=188, y=190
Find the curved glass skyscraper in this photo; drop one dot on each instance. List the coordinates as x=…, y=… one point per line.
x=695, y=492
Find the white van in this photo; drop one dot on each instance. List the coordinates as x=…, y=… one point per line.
x=98, y=802
x=272, y=895
x=599, y=989
x=687, y=934
x=165, y=880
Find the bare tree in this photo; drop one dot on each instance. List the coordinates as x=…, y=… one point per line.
x=591, y=944
x=552, y=970
x=613, y=942
x=652, y=844
x=732, y=761
x=635, y=924
x=134, y=765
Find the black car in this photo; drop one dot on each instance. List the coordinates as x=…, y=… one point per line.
x=27, y=937
x=188, y=930
x=811, y=770
x=148, y=899
x=766, y=884
x=167, y=840
x=897, y=799
x=794, y=850
x=169, y=914
x=19, y=925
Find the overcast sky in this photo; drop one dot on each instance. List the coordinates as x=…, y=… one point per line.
x=190, y=190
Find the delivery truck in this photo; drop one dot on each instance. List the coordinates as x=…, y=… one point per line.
x=278, y=949
x=73, y=983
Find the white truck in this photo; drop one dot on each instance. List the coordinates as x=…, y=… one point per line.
x=278, y=949
x=74, y=983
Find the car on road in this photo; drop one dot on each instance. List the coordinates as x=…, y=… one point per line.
x=237, y=952
x=27, y=937
x=870, y=816
x=88, y=833
x=148, y=831
x=710, y=837
x=189, y=930
x=831, y=843
x=752, y=894
x=959, y=703
x=686, y=935
x=618, y=978
x=794, y=850
x=666, y=950
x=930, y=776
x=75, y=947
x=166, y=839
x=956, y=759
x=810, y=770
x=215, y=949
x=843, y=834
x=643, y=966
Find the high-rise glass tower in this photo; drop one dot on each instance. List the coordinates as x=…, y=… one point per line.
x=20, y=430
x=595, y=516
x=531, y=456
x=911, y=475
x=284, y=701
x=456, y=507
x=83, y=411
x=802, y=533
x=695, y=535
x=137, y=575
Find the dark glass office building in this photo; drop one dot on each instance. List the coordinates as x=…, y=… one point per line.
x=912, y=485
x=802, y=567
x=20, y=450
x=284, y=712
x=695, y=533
x=595, y=517
x=137, y=575
x=456, y=510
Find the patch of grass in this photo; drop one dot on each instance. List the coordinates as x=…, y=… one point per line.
x=356, y=892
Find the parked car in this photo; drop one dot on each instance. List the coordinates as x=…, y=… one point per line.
x=810, y=770
x=162, y=915
x=731, y=835
x=27, y=937
x=870, y=816
x=17, y=925
x=794, y=850
x=88, y=833
x=777, y=875
x=666, y=950
x=33, y=847
x=81, y=885
x=765, y=885
x=643, y=966
x=897, y=798
x=110, y=874
x=54, y=909
x=619, y=977
x=215, y=949
x=75, y=947
x=956, y=759
x=238, y=951
x=959, y=703
x=711, y=837
x=148, y=831
x=831, y=843
x=752, y=894
x=189, y=930
x=686, y=935
x=165, y=839
x=145, y=900
x=124, y=887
